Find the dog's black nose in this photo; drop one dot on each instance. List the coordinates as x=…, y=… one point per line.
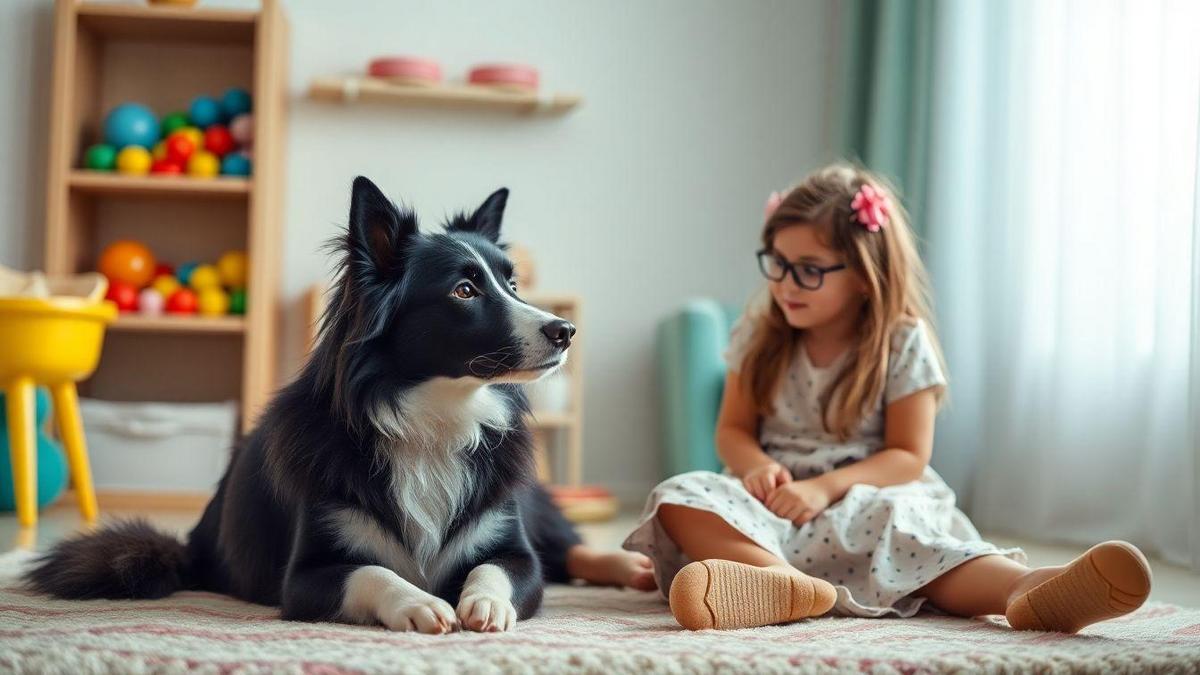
x=560, y=333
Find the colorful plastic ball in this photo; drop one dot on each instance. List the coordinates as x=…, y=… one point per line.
x=166, y=167
x=182, y=301
x=217, y=140
x=237, y=301
x=242, y=129
x=204, y=111
x=214, y=302
x=184, y=272
x=236, y=164
x=195, y=135
x=203, y=164
x=127, y=261
x=131, y=124
x=124, y=295
x=100, y=157
x=134, y=160
x=164, y=268
x=179, y=147
x=151, y=302
x=204, y=276
x=233, y=267
x=235, y=102
x=173, y=122
x=159, y=151
x=165, y=284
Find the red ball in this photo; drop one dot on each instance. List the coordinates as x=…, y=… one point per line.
x=218, y=140
x=123, y=294
x=182, y=301
x=179, y=148
x=164, y=268
x=166, y=166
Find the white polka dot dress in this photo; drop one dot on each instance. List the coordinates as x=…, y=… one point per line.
x=877, y=546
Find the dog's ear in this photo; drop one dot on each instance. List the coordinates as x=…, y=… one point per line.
x=379, y=232
x=486, y=219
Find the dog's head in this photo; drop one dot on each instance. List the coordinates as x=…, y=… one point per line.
x=413, y=306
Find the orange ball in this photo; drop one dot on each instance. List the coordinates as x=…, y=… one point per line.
x=129, y=262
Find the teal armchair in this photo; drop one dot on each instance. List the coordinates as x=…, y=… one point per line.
x=690, y=345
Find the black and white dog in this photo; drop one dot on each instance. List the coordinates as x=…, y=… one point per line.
x=392, y=481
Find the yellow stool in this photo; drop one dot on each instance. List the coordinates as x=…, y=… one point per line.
x=54, y=342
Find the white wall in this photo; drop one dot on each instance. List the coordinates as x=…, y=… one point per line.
x=648, y=194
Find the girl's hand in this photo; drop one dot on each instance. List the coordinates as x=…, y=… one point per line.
x=798, y=501
x=761, y=480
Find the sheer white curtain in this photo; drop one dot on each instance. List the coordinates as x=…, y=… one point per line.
x=1062, y=227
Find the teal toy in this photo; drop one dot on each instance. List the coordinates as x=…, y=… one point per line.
x=184, y=272
x=205, y=112
x=235, y=164
x=51, y=462
x=235, y=102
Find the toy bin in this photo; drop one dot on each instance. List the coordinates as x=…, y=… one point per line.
x=159, y=447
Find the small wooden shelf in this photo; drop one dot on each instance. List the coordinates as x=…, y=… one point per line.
x=179, y=324
x=552, y=420
x=104, y=183
x=187, y=24
x=352, y=89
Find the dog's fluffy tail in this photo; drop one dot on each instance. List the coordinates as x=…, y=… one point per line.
x=125, y=560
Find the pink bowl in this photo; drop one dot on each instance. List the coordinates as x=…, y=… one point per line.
x=505, y=76
x=408, y=69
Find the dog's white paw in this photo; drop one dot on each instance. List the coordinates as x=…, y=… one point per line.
x=486, y=613
x=425, y=614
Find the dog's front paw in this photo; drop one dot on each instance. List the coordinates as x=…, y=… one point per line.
x=486, y=613
x=425, y=613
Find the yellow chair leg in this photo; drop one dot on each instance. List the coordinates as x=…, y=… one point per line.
x=22, y=438
x=66, y=411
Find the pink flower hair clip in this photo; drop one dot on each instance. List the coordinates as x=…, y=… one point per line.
x=871, y=206
x=773, y=202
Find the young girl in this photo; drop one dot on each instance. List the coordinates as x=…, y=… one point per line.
x=826, y=429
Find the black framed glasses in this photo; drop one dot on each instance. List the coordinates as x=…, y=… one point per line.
x=806, y=275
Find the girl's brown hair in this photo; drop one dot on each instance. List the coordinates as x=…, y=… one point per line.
x=897, y=291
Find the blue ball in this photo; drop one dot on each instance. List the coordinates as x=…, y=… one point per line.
x=235, y=164
x=235, y=102
x=184, y=271
x=41, y=405
x=204, y=112
x=131, y=124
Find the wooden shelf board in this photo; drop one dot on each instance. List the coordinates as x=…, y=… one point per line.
x=163, y=23
x=105, y=183
x=551, y=420
x=179, y=324
x=352, y=89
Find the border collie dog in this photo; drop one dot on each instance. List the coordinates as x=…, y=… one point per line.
x=392, y=482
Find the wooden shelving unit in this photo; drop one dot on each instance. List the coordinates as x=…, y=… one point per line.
x=110, y=53
x=352, y=89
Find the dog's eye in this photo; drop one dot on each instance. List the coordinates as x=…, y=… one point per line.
x=465, y=291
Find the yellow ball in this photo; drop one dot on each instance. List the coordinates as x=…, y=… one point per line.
x=204, y=277
x=203, y=164
x=165, y=284
x=134, y=160
x=159, y=151
x=233, y=267
x=214, y=302
x=195, y=135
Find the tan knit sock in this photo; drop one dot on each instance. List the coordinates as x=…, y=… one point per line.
x=1109, y=580
x=727, y=594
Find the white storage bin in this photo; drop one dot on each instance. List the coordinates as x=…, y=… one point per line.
x=160, y=447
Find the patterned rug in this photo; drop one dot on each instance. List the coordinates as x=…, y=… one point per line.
x=589, y=630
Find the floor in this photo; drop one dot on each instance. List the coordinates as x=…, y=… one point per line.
x=1172, y=584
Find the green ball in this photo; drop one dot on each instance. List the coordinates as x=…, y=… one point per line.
x=237, y=301
x=100, y=157
x=173, y=121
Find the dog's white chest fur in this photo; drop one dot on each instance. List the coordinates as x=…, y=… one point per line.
x=428, y=434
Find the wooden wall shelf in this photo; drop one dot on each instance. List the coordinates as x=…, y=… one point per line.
x=105, y=183
x=179, y=324
x=353, y=89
